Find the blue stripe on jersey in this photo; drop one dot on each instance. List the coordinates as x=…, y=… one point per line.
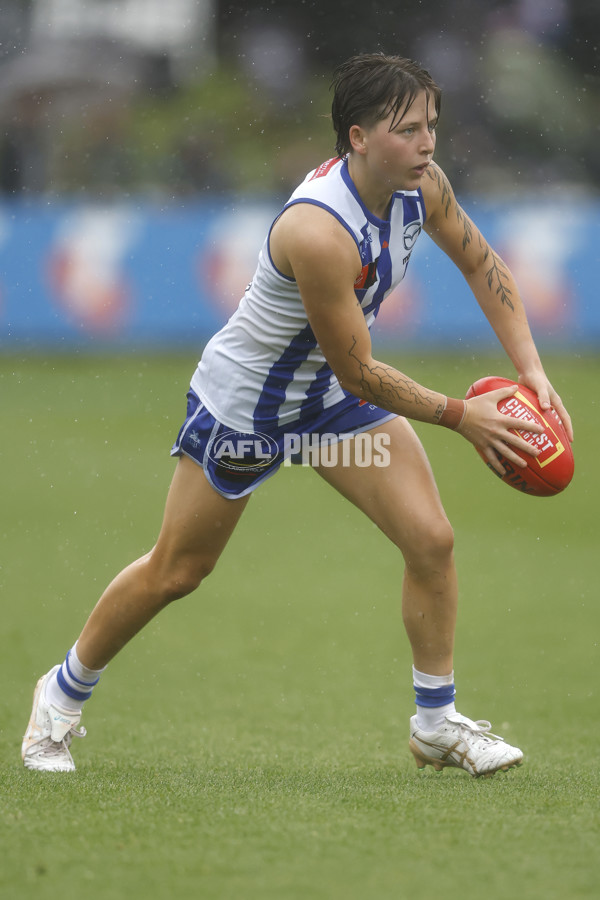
x=281, y=375
x=365, y=248
x=316, y=392
x=369, y=216
x=414, y=210
x=384, y=270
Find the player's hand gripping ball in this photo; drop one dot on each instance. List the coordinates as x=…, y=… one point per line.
x=551, y=471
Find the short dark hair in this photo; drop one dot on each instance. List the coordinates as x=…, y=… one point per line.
x=369, y=86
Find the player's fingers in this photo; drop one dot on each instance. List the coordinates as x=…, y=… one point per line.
x=510, y=424
x=563, y=415
x=502, y=451
x=496, y=457
x=519, y=443
x=543, y=396
x=493, y=460
x=507, y=421
x=501, y=393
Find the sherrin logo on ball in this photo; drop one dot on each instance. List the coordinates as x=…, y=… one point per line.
x=552, y=469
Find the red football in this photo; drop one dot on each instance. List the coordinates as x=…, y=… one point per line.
x=551, y=471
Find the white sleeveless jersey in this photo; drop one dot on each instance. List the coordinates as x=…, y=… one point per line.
x=264, y=368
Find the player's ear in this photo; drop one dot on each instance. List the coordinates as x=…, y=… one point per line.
x=358, y=138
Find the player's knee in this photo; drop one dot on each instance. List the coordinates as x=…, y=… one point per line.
x=432, y=545
x=442, y=538
x=183, y=577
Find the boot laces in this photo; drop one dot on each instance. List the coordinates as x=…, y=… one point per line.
x=481, y=729
x=49, y=748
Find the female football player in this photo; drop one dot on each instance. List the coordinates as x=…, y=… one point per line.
x=294, y=362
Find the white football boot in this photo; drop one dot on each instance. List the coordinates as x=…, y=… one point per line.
x=46, y=743
x=463, y=744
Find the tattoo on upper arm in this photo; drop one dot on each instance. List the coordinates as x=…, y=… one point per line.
x=444, y=186
x=448, y=200
x=497, y=275
x=387, y=386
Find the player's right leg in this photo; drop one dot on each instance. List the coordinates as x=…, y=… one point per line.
x=196, y=527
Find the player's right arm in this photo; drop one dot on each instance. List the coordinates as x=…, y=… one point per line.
x=310, y=245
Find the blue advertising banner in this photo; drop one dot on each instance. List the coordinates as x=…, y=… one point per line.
x=139, y=276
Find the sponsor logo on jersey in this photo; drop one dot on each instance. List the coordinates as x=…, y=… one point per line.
x=367, y=277
x=324, y=168
x=365, y=244
x=411, y=233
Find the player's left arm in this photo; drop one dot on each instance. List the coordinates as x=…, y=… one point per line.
x=492, y=283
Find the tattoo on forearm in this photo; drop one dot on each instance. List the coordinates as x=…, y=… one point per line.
x=467, y=227
x=497, y=275
x=386, y=386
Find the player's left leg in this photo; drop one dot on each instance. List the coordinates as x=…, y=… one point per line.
x=402, y=499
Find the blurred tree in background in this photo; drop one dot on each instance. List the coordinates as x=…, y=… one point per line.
x=104, y=98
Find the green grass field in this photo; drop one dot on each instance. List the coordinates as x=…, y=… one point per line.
x=252, y=742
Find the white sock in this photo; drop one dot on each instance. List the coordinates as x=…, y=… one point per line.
x=431, y=690
x=72, y=684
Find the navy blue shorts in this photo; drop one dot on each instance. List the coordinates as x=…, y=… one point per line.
x=236, y=463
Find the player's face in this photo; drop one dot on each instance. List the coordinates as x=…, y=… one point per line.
x=398, y=149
